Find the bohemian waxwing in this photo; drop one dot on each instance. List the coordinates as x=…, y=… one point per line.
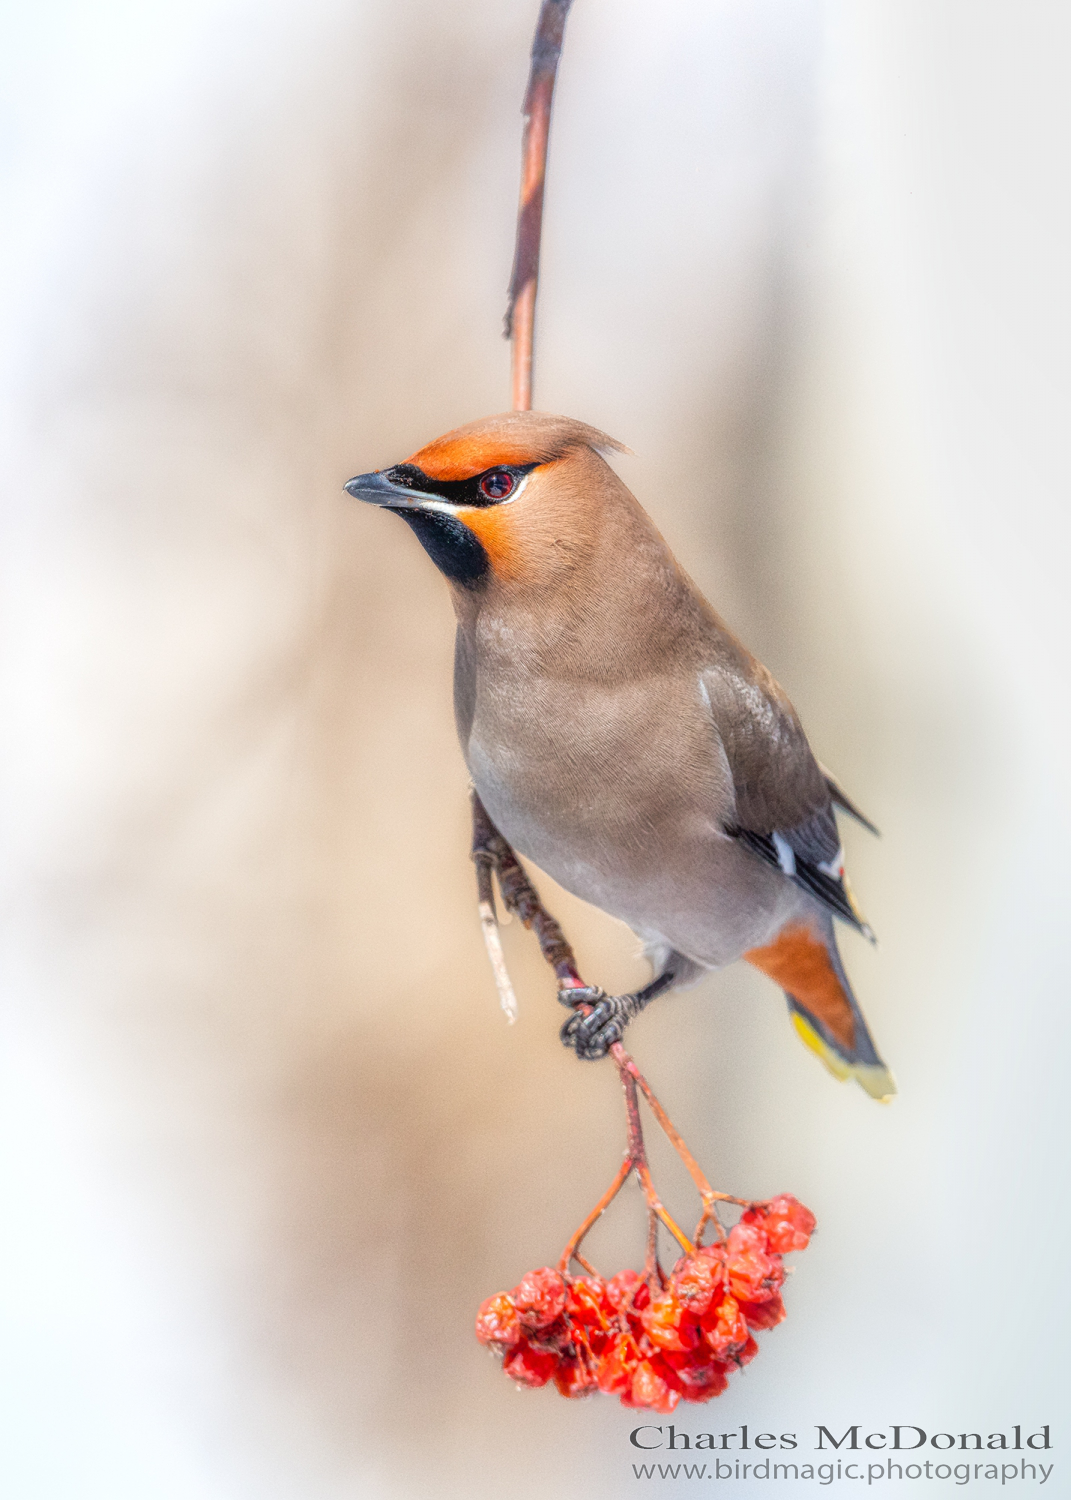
x=618, y=733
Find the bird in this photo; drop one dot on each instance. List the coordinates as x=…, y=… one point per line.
x=622, y=738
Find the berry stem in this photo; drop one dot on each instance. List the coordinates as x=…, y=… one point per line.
x=707, y=1195
x=652, y=1270
x=570, y=1251
x=638, y=1150
x=635, y=1161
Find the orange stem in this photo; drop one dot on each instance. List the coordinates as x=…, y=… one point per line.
x=708, y=1196
x=524, y=282
x=655, y=1204
x=569, y=1253
x=638, y=1156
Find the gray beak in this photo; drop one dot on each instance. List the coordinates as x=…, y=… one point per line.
x=377, y=489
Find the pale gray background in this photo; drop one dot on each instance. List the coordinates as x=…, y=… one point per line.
x=268, y=1139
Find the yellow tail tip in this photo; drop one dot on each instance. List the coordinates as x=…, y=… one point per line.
x=873, y=1078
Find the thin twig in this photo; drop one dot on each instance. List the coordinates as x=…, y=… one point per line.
x=652, y=1271
x=489, y=927
x=570, y=1251
x=638, y=1153
x=520, y=311
x=707, y=1195
x=625, y=1062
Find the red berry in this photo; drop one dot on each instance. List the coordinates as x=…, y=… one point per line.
x=539, y=1297
x=627, y=1290
x=497, y=1324
x=706, y=1390
x=724, y=1328
x=745, y=1355
x=528, y=1366
x=666, y=1325
x=651, y=1389
x=552, y=1340
x=788, y=1223
x=762, y=1315
x=696, y=1277
x=696, y=1370
x=617, y=1366
x=754, y=1275
x=749, y=1234
x=574, y=1379
x=587, y=1302
x=750, y=1276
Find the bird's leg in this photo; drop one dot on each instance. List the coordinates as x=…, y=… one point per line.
x=599, y=1019
x=491, y=851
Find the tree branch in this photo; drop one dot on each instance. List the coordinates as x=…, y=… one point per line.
x=524, y=282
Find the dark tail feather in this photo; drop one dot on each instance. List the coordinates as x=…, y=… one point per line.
x=844, y=802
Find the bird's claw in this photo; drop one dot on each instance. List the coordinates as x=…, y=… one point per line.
x=580, y=994
x=592, y=1034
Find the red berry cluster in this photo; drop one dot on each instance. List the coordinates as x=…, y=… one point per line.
x=652, y=1348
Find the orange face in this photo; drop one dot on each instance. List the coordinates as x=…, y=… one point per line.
x=451, y=460
x=464, y=495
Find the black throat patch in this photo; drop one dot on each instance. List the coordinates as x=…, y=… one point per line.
x=452, y=547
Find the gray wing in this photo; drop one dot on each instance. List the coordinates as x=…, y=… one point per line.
x=784, y=799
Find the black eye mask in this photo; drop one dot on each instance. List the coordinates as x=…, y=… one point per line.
x=490, y=487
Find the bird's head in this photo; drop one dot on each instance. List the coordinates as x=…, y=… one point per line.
x=502, y=500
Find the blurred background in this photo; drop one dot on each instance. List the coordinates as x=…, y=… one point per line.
x=268, y=1140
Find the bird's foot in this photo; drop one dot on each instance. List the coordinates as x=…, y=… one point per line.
x=591, y=1033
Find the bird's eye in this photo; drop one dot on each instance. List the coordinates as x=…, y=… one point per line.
x=497, y=484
